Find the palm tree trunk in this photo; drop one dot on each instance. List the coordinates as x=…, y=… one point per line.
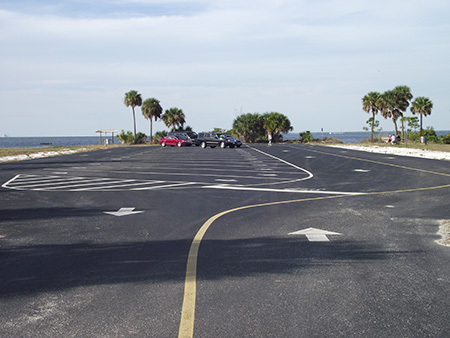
x=373, y=123
x=395, y=125
x=134, y=122
x=151, y=127
x=420, y=127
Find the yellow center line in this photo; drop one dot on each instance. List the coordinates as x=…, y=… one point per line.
x=186, y=329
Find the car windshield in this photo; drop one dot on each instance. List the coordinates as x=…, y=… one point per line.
x=192, y=134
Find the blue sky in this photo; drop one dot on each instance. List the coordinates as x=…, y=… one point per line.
x=66, y=65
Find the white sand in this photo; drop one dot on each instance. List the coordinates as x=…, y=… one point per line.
x=38, y=155
x=394, y=150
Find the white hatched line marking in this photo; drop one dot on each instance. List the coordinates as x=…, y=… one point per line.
x=28, y=178
x=38, y=183
x=48, y=183
x=166, y=186
x=5, y=185
x=70, y=186
x=75, y=182
x=233, y=187
x=119, y=186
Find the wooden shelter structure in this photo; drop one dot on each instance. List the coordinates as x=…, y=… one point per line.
x=106, y=132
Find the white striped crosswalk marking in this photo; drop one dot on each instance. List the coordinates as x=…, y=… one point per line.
x=65, y=183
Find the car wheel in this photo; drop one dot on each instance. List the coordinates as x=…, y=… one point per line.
x=222, y=145
x=203, y=145
x=179, y=144
x=163, y=144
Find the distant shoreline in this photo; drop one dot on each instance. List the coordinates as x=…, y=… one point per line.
x=45, y=141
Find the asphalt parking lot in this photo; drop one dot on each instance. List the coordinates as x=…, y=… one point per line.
x=281, y=241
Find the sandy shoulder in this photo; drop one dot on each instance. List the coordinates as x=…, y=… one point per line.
x=38, y=155
x=393, y=150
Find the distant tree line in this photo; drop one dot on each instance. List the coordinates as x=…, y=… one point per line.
x=248, y=127
x=393, y=104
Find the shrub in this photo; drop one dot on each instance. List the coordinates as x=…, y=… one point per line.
x=429, y=133
x=141, y=138
x=306, y=137
x=446, y=139
x=128, y=137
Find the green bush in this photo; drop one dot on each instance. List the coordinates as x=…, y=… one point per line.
x=446, y=139
x=429, y=133
x=128, y=137
x=306, y=137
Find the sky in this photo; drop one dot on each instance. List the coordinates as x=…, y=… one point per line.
x=65, y=65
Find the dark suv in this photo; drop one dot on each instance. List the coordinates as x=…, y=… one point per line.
x=213, y=140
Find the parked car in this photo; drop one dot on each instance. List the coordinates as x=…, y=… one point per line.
x=234, y=142
x=191, y=135
x=173, y=140
x=237, y=142
x=213, y=140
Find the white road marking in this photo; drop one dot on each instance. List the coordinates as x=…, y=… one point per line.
x=166, y=186
x=84, y=183
x=118, y=185
x=299, y=191
x=361, y=170
x=123, y=212
x=310, y=175
x=315, y=235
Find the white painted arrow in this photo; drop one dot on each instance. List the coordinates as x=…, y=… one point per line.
x=123, y=212
x=315, y=235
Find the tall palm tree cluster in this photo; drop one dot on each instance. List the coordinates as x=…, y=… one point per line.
x=251, y=127
x=151, y=109
x=393, y=104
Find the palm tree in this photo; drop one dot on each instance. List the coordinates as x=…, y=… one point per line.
x=389, y=107
x=371, y=104
x=422, y=105
x=174, y=117
x=276, y=123
x=402, y=97
x=249, y=127
x=133, y=99
x=151, y=109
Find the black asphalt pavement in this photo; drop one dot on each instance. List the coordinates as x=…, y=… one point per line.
x=96, y=244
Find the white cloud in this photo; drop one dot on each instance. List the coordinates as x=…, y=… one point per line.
x=312, y=59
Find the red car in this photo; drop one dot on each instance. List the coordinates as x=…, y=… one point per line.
x=172, y=140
